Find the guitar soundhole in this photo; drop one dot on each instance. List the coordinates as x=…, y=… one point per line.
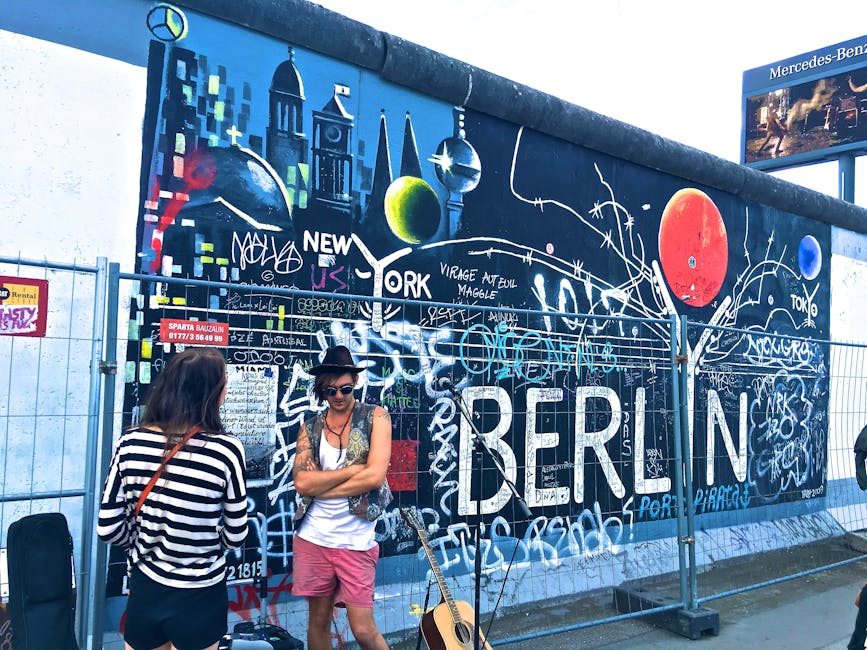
x=463, y=633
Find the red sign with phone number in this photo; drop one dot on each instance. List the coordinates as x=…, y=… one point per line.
x=193, y=332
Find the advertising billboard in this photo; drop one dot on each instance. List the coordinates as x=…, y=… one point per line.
x=807, y=108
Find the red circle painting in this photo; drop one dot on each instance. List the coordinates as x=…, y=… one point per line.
x=693, y=247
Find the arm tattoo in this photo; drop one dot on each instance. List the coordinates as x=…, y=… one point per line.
x=300, y=448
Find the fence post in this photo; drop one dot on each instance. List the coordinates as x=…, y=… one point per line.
x=685, y=427
x=108, y=368
x=686, y=617
x=86, y=588
x=678, y=459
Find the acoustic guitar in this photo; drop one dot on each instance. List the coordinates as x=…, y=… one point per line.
x=449, y=625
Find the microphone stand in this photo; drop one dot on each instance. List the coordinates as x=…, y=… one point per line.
x=480, y=449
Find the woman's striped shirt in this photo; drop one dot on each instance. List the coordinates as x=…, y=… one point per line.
x=196, y=510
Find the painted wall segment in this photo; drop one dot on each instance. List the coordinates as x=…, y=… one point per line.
x=291, y=170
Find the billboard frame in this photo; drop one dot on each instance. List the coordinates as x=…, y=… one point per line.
x=827, y=84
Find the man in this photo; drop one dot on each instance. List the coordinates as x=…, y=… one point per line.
x=341, y=460
x=776, y=129
x=859, y=635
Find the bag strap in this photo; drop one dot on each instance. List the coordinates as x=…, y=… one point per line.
x=158, y=473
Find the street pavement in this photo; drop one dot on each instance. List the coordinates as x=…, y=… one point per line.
x=808, y=613
x=813, y=612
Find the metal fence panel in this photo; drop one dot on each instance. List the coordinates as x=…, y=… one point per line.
x=773, y=424
x=577, y=408
x=49, y=404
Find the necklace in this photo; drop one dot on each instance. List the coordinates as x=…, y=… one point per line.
x=339, y=434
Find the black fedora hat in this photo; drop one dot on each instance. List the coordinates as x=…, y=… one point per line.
x=337, y=359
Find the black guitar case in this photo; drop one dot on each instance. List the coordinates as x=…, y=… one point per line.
x=41, y=591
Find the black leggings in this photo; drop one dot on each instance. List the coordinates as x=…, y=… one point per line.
x=860, y=633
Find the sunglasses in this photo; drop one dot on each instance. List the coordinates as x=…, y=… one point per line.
x=331, y=391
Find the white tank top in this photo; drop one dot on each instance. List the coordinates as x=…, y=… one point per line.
x=328, y=522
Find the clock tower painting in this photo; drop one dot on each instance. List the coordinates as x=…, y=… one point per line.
x=332, y=160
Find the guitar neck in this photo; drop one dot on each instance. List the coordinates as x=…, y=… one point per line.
x=438, y=574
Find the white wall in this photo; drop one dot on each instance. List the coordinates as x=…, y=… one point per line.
x=848, y=399
x=69, y=175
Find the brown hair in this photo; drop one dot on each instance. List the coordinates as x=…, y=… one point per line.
x=186, y=394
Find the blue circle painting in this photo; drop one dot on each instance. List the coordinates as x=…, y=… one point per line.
x=809, y=257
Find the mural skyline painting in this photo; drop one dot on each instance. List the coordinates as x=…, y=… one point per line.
x=287, y=169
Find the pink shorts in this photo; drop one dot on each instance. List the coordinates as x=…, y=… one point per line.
x=319, y=571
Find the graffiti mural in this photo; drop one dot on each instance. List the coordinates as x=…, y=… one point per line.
x=540, y=277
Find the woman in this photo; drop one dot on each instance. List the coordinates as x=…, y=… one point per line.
x=341, y=460
x=177, y=528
